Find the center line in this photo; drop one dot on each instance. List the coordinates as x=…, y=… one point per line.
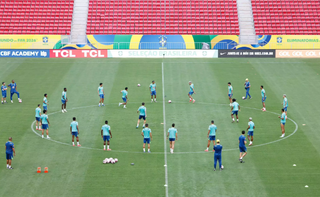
x=164, y=136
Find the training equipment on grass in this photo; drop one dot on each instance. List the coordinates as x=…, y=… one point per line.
x=222, y=167
x=243, y=98
x=46, y=170
x=112, y=161
x=169, y=101
x=116, y=160
x=138, y=84
x=104, y=161
x=39, y=170
x=132, y=164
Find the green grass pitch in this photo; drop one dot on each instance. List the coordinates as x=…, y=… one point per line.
x=75, y=171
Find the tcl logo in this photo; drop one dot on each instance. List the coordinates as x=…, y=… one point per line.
x=298, y=53
x=78, y=53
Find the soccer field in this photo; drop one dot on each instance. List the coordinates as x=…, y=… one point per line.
x=78, y=171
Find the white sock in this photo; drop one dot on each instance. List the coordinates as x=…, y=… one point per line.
x=151, y=100
x=148, y=149
x=72, y=143
x=233, y=119
x=108, y=146
x=240, y=157
x=143, y=125
x=77, y=143
x=42, y=136
x=47, y=136
x=36, y=127
x=155, y=99
x=250, y=142
x=193, y=100
x=102, y=103
x=144, y=150
x=207, y=148
x=104, y=146
x=190, y=99
x=7, y=165
x=137, y=125
x=124, y=106
x=99, y=104
x=120, y=103
x=238, y=120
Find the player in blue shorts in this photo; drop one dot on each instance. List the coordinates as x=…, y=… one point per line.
x=4, y=93
x=211, y=135
x=173, y=136
x=45, y=102
x=38, y=115
x=230, y=92
x=283, y=119
x=13, y=90
x=143, y=115
x=217, y=155
x=10, y=152
x=44, y=120
x=124, y=97
x=74, y=130
x=147, y=137
x=263, y=98
x=242, y=146
x=285, y=104
x=101, y=94
x=153, y=91
x=235, y=109
x=64, y=100
x=106, y=134
x=191, y=92
x=247, y=86
x=250, y=129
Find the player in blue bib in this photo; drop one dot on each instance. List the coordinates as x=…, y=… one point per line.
x=191, y=92
x=153, y=91
x=242, y=146
x=283, y=119
x=10, y=152
x=13, y=90
x=124, y=97
x=101, y=94
x=217, y=155
x=106, y=134
x=250, y=129
x=74, y=130
x=173, y=136
x=247, y=86
x=45, y=102
x=44, y=120
x=230, y=92
x=211, y=134
x=142, y=115
x=147, y=137
x=285, y=104
x=263, y=98
x=235, y=108
x=4, y=93
x=64, y=100
x=38, y=115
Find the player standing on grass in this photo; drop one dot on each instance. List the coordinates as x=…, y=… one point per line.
x=101, y=94
x=283, y=118
x=235, y=109
x=45, y=102
x=217, y=155
x=13, y=90
x=147, y=136
x=45, y=122
x=173, y=136
x=74, y=130
x=247, y=86
x=64, y=100
x=143, y=115
x=191, y=92
x=211, y=135
x=263, y=99
x=9, y=150
x=153, y=91
x=250, y=129
x=242, y=146
x=230, y=92
x=285, y=104
x=106, y=134
x=38, y=115
x=4, y=93
x=124, y=97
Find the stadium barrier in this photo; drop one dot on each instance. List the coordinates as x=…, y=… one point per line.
x=298, y=54
x=25, y=53
x=245, y=53
x=163, y=53
x=66, y=53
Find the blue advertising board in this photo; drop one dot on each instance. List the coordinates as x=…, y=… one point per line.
x=25, y=53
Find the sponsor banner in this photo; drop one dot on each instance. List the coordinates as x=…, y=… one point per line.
x=269, y=53
x=298, y=54
x=28, y=53
x=162, y=53
x=78, y=53
x=30, y=41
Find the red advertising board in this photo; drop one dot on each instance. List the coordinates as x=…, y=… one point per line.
x=70, y=53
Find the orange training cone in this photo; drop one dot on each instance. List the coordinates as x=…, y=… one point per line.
x=39, y=170
x=46, y=170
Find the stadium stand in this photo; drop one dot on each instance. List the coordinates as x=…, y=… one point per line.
x=291, y=17
x=163, y=17
x=36, y=16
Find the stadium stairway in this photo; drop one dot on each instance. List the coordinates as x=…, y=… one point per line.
x=79, y=22
x=246, y=23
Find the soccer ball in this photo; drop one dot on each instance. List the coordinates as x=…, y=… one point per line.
x=112, y=161
x=107, y=160
x=116, y=160
x=110, y=158
x=243, y=98
x=138, y=84
x=169, y=101
x=104, y=161
x=222, y=167
x=20, y=101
